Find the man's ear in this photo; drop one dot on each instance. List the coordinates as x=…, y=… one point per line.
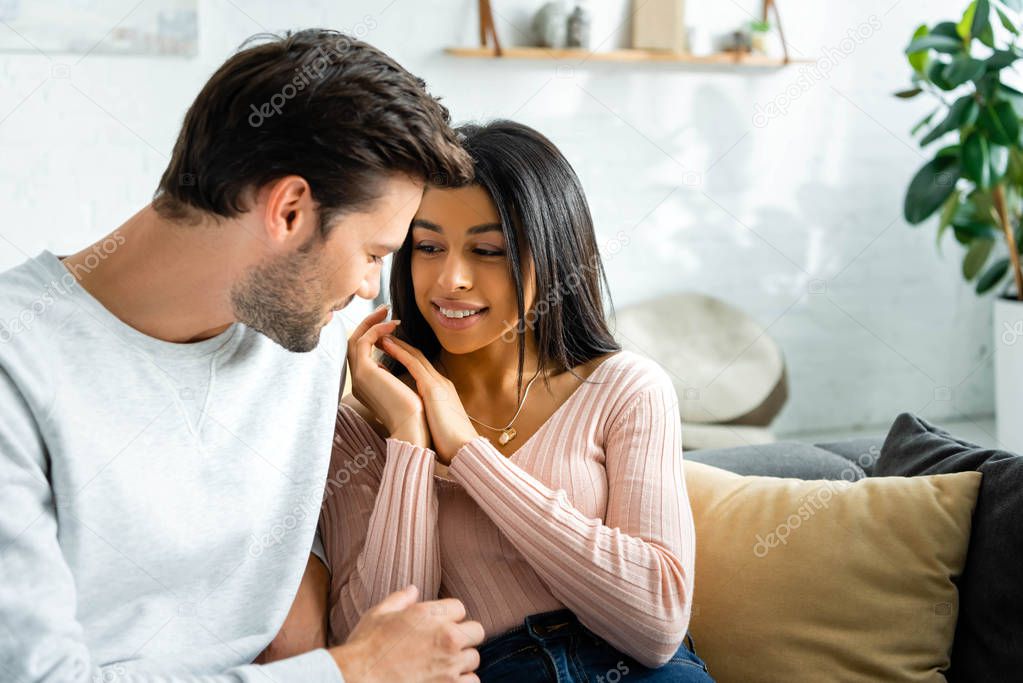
x=290, y=212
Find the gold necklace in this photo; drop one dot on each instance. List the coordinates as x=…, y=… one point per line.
x=507, y=432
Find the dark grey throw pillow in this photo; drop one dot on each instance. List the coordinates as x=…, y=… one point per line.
x=988, y=642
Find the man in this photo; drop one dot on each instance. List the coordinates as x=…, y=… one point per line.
x=168, y=394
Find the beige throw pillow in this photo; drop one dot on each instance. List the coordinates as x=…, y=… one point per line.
x=827, y=580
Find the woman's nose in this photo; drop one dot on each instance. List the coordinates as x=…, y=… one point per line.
x=457, y=274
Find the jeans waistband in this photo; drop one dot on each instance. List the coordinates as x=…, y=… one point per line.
x=549, y=626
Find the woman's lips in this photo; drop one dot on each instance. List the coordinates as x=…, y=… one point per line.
x=457, y=323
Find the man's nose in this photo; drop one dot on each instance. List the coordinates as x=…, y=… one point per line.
x=370, y=287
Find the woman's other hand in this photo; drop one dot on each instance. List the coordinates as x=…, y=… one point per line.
x=448, y=423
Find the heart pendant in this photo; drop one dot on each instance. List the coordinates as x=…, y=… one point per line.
x=506, y=436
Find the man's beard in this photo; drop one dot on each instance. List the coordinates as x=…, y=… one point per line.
x=283, y=299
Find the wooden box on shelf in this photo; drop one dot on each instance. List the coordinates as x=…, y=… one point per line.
x=658, y=25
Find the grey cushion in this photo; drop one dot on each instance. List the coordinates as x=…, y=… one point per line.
x=781, y=459
x=863, y=451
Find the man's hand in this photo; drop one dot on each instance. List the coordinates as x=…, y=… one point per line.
x=402, y=641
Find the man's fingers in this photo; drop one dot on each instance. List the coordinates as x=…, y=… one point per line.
x=468, y=661
x=397, y=601
x=473, y=633
x=449, y=608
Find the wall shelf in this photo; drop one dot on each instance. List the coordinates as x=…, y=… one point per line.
x=736, y=59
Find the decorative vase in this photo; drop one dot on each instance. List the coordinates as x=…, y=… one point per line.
x=1008, y=317
x=550, y=24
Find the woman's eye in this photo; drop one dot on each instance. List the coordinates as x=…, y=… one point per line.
x=489, y=252
x=427, y=248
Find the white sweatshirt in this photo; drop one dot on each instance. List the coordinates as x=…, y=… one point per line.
x=157, y=501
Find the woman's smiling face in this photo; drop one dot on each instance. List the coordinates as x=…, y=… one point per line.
x=460, y=271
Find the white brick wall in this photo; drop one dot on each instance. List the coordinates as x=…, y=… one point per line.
x=760, y=212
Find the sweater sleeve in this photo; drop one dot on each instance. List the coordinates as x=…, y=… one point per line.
x=628, y=577
x=378, y=521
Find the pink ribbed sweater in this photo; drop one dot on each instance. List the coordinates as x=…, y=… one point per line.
x=590, y=513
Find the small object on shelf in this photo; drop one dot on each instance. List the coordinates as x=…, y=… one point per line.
x=739, y=41
x=759, y=33
x=699, y=41
x=550, y=24
x=579, y=22
x=658, y=25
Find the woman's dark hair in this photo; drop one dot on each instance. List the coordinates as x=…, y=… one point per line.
x=315, y=103
x=545, y=219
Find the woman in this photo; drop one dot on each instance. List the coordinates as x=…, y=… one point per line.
x=507, y=452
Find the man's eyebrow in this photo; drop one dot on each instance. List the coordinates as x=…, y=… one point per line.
x=388, y=248
x=474, y=230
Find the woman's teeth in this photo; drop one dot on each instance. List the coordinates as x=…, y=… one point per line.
x=450, y=313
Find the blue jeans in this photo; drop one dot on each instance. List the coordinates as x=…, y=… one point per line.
x=555, y=648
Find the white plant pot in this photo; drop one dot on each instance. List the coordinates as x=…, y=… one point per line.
x=1008, y=340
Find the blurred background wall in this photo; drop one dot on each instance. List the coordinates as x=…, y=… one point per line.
x=695, y=182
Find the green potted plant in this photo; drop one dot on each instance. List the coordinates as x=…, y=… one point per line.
x=759, y=33
x=974, y=182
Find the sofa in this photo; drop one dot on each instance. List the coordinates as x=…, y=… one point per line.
x=984, y=609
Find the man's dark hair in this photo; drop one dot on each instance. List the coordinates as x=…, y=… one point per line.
x=314, y=103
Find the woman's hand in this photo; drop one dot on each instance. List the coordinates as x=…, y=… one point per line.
x=449, y=425
x=393, y=402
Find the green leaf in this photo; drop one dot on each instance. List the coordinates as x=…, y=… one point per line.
x=930, y=187
x=1000, y=122
x=918, y=60
x=965, y=234
x=1014, y=5
x=947, y=29
x=936, y=43
x=947, y=211
x=1015, y=170
x=1000, y=59
x=987, y=37
x=1007, y=22
x=936, y=74
x=948, y=151
x=976, y=162
x=976, y=19
x=981, y=20
x=906, y=94
x=993, y=275
x=966, y=23
x=963, y=112
x=922, y=122
x=962, y=69
x=976, y=256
